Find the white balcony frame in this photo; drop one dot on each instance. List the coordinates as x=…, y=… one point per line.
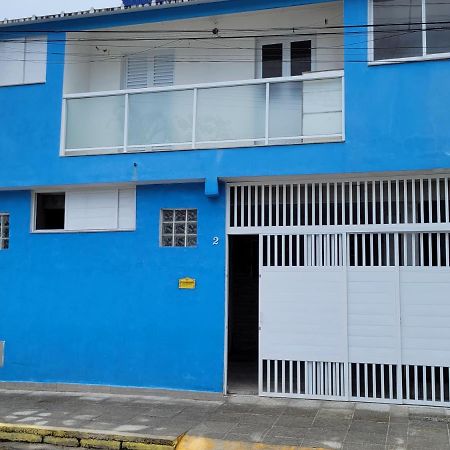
x=194, y=143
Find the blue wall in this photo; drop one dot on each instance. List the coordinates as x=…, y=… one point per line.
x=105, y=308
x=396, y=119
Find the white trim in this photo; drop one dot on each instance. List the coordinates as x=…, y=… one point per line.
x=34, y=193
x=430, y=57
x=194, y=143
x=340, y=177
x=194, y=119
x=126, y=123
x=286, y=62
x=227, y=302
x=333, y=229
x=62, y=143
x=325, y=74
x=424, y=28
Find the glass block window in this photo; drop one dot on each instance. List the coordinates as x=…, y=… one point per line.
x=178, y=228
x=4, y=231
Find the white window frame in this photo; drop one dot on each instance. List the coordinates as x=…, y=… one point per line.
x=286, y=41
x=424, y=57
x=65, y=191
x=26, y=41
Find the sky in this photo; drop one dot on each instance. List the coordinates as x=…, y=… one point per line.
x=12, y=9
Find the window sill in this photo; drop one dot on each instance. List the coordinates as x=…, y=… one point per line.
x=31, y=83
x=434, y=57
x=82, y=231
x=213, y=146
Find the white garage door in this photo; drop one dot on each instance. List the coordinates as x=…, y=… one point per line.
x=354, y=287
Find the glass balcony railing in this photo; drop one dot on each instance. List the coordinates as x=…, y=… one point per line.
x=278, y=111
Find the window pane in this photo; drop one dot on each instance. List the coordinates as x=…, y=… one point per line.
x=397, y=28
x=96, y=122
x=159, y=118
x=231, y=113
x=285, y=109
x=300, y=57
x=272, y=60
x=12, y=53
x=50, y=211
x=438, y=34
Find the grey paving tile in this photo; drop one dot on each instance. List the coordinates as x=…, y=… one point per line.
x=227, y=417
x=300, y=412
x=281, y=440
x=338, y=405
x=428, y=445
x=364, y=446
x=369, y=426
x=375, y=412
x=253, y=437
x=397, y=434
x=207, y=428
x=332, y=423
x=422, y=412
x=417, y=427
x=163, y=411
x=288, y=432
x=340, y=413
x=260, y=419
x=325, y=435
x=361, y=437
x=245, y=428
x=322, y=444
x=295, y=421
x=229, y=408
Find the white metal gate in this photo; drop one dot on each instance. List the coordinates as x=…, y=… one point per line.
x=354, y=287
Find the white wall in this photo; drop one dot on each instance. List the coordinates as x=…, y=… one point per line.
x=97, y=66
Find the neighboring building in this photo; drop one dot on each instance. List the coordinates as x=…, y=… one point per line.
x=285, y=155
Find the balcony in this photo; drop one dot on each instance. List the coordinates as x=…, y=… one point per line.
x=258, y=112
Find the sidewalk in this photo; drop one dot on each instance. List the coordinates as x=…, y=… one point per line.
x=240, y=419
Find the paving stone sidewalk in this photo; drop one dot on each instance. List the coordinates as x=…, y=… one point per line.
x=307, y=423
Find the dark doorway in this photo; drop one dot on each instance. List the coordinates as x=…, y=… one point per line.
x=243, y=314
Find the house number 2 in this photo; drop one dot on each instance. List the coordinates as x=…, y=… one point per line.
x=215, y=240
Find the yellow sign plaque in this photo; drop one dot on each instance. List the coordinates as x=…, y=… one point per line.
x=186, y=283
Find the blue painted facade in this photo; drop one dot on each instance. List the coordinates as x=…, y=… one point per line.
x=104, y=308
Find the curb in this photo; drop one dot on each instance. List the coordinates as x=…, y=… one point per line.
x=85, y=439
x=202, y=443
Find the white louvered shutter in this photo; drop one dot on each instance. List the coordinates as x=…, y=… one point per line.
x=138, y=68
x=163, y=70
x=148, y=70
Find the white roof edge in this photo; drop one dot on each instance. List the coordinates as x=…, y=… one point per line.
x=152, y=4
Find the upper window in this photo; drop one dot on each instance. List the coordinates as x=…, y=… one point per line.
x=85, y=210
x=410, y=28
x=23, y=61
x=4, y=231
x=286, y=57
